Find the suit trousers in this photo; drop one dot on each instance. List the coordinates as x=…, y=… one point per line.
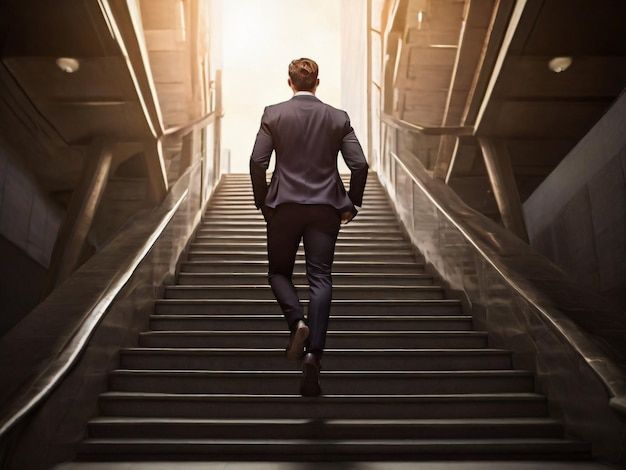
x=318, y=226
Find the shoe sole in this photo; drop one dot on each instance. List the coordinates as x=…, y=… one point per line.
x=310, y=386
x=297, y=345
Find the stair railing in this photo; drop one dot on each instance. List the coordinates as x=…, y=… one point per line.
x=425, y=130
x=46, y=351
x=572, y=337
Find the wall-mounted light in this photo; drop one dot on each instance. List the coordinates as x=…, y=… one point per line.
x=183, y=26
x=420, y=19
x=68, y=64
x=560, y=64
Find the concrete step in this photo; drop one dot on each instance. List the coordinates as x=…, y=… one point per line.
x=246, y=197
x=333, y=382
x=334, y=339
x=467, y=405
x=247, y=184
x=194, y=255
x=337, y=322
x=180, y=428
x=245, y=205
x=348, y=230
x=246, y=209
x=371, y=182
x=357, y=225
x=246, y=188
x=334, y=359
x=397, y=250
x=230, y=197
x=372, y=177
x=344, y=242
x=342, y=246
x=352, y=229
x=338, y=307
x=258, y=217
x=345, y=176
x=261, y=266
x=341, y=450
x=383, y=218
x=339, y=279
x=262, y=238
x=258, y=292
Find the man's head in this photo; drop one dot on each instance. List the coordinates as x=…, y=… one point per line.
x=303, y=75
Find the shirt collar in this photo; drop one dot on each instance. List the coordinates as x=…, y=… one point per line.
x=303, y=92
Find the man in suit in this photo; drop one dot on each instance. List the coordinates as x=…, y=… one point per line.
x=305, y=200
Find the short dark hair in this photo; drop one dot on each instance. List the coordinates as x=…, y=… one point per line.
x=303, y=73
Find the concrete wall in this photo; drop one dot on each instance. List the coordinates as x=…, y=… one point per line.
x=577, y=216
x=29, y=223
x=21, y=283
x=354, y=65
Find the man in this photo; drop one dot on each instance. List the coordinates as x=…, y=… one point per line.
x=305, y=199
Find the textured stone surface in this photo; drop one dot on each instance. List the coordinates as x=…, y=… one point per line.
x=577, y=216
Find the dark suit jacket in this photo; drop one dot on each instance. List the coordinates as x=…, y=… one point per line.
x=307, y=135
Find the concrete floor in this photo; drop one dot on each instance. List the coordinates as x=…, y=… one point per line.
x=476, y=465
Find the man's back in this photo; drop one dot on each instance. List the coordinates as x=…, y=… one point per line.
x=306, y=201
x=307, y=135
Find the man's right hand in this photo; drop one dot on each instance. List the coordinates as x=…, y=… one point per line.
x=347, y=216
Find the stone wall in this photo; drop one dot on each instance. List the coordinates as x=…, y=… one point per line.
x=29, y=223
x=577, y=216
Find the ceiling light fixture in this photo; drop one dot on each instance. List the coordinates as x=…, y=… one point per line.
x=68, y=64
x=560, y=64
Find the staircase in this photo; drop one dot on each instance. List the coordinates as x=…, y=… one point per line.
x=405, y=375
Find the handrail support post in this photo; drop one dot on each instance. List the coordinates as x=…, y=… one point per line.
x=157, y=176
x=503, y=184
x=84, y=203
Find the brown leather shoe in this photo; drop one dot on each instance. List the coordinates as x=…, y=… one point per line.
x=310, y=384
x=297, y=339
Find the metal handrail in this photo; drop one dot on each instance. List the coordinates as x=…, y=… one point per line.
x=425, y=130
x=38, y=387
x=51, y=377
x=603, y=365
x=181, y=131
